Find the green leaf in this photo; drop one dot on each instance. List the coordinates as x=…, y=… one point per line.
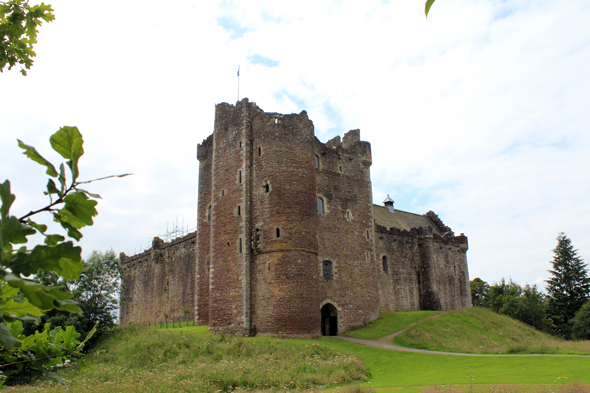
x=16, y=329
x=427, y=7
x=7, y=339
x=7, y=199
x=16, y=309
x=15, y=232
x=79, y=190
x=73, y=232
x=42, y=296
x=68, y=142
x=40, y=227
x=64, y=259
x=34, y=155
x=52, y=240
x=78, y=210
x=6, y=291
x=65, y=141
x=52, y=188
x=67, y=339
x=62, y=179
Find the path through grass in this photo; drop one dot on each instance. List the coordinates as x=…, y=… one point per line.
x=390, y=323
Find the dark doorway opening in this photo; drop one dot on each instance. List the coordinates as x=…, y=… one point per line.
x=329, y=320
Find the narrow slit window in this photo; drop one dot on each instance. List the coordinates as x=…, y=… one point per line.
x=239, y=177
x=327, y=269
x=209, y=214
x=240, y=144
x=384, y=262
x=317, y=162
x=240, y=245
x=266, y=187
x=239, y=210
x=259, y=151
x=320, y=205
x=278, y=233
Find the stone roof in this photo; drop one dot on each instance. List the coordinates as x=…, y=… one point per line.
x=401, y=219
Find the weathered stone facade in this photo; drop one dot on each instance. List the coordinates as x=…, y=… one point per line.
x=289, y=242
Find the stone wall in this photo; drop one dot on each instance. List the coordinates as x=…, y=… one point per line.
x=160, y=281
x=423, y=270
x=346, y=230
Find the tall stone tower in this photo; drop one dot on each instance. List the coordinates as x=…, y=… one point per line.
x=257, y=224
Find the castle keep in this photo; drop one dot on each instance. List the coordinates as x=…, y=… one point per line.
x=288, y=240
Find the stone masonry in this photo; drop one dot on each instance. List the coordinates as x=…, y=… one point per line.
x=288, y=240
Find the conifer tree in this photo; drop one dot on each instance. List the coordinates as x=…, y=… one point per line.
x=569, y=286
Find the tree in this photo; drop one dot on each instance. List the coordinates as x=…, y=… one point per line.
x=568, y=288
x=95, y=291
x=581, y=323
x=479, y=290
x=22, y=299
x=18, y=32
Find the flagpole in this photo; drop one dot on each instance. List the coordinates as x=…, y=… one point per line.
x=238, y=83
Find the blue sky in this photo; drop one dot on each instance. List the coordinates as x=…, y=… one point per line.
x=479, y=114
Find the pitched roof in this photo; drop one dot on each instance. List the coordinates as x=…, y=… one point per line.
x=400, y=219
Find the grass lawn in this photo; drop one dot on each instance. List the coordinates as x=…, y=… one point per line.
x=188, y=359
x=406, y=369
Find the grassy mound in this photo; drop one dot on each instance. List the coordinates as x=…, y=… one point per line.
x=389, y=323
x=479, y=330
x=136, y=359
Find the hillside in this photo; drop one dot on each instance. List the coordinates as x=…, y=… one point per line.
x=480, y=330
x=134, y=359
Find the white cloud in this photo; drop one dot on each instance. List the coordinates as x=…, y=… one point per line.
x=479, y=113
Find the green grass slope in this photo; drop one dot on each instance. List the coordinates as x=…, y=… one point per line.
x=389, y=323
x=134, y=359
x=479, y=330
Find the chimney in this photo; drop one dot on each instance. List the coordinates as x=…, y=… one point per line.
x=388, y=202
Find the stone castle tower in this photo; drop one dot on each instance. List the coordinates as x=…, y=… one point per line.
x=288, y=240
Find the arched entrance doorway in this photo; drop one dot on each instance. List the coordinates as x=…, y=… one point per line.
x=329, y=320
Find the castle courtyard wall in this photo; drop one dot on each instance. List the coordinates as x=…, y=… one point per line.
x=160, y=281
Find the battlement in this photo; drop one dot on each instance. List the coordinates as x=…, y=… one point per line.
x=158, y=247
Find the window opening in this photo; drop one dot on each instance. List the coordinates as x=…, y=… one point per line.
x=240, y=245
x=340, y=169
x=317, y=162
x=222, y=192
x=239, y=177
x=239, y=210
x=209, y=214
x=266, y=187
x=385, y=263
x=327, y=269
x=276, y=120
x=368, y=235
x=320, y=206
x=278, y=232
x=240, y=144
x=259, y=151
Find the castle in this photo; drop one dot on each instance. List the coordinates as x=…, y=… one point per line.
x=288, y=240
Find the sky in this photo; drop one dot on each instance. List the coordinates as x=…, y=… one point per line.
x=480, y=113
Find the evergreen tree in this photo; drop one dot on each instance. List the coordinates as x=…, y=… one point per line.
x=581, y=323
x=569, y=286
